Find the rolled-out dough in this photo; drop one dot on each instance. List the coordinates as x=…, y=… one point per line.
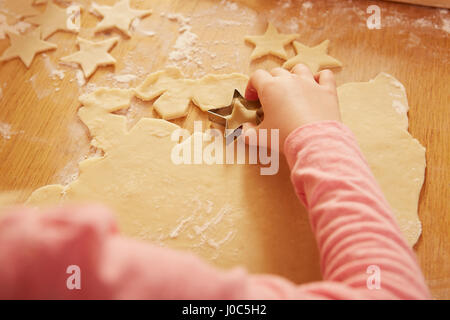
x=230, y=214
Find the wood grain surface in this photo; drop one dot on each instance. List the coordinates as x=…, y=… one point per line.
x=42, y=139
x=433, y=3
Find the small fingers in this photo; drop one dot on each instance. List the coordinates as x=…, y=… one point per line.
x=326, y=78
x=257, y=81
x=303, y=71
x=278, y=72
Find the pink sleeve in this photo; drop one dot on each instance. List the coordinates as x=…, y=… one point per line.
x=353, y=224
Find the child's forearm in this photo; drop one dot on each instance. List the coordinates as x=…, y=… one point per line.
x=353, y=223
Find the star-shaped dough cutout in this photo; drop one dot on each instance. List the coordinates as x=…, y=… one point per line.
x=118, y=16
x=26, y=47
x=53, y=19
x=316, y=58
x=92, y=55
x=240, y=115
x=271, y=42
x=18, y=8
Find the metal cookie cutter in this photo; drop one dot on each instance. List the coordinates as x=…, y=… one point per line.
x=221, y=115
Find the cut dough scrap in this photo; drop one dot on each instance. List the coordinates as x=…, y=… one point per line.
x=272, y=42
x=119, y=16
x=92, y=55
x=174, y=93
x=53, y=19
x=316, y=58
x=376, y=111
x=26, y=47
x=229, y=214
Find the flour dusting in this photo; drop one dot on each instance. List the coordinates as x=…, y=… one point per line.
x=81, y=81
x=399, y=107
x=17, y=28
x=186, y=51
x=232, y=6
x=5, y=130
x=307, y=5
x=137, y=28
x=54, y=72
x=124, y=78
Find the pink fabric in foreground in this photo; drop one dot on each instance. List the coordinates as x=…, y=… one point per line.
x=352, y=221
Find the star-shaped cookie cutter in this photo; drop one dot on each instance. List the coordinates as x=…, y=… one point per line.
x=220, y=115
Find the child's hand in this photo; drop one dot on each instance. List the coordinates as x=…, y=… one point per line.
x=293, y=99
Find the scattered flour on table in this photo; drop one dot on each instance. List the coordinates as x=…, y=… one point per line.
x=54, y=72
x=137, y=27
x=17, y=28
x=413, y=40
x=307, y=5
x=185, y=51
x=445, y=19
x=5, y=130
x=424, y=23
x=79, y=76
x=232, y=6
x=41, y=90
x=130, y=72
x=285, y=4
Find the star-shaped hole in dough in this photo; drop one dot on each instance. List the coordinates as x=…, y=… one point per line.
x=92, y=55
x=316, y=58
x=271, y=42
x=118, y=16
x=53, y=19
x=26, y=47
x=18, y=8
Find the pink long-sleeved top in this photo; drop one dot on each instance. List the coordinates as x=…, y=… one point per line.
x=352, y=221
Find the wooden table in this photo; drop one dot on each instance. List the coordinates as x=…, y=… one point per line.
x=43, y=140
